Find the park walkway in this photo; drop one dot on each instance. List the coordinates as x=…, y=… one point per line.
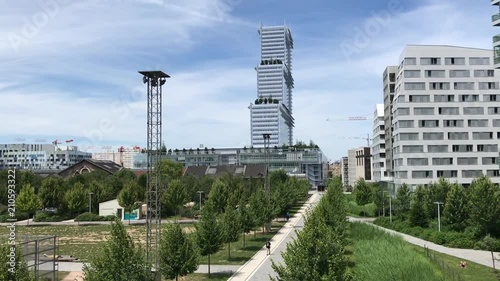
x=259, y=267
x=477, y=256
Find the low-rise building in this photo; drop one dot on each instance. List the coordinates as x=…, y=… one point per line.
x=40, y=156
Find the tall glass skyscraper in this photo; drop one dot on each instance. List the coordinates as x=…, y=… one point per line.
x=272, y=111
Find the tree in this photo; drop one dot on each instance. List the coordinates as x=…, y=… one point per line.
x=455, y=213
x=436, y=192
x=52, y=191
x=418, y=211
x=178, y=255
x=76, y=198
x=403, y=201
x=219, y=195
x=259, y=207
x=174, y=196
x=20, y=271
x=362, y=193
x=484, y=204
x=245, y=218
x=102, y=192
x=231, y=227
x=379, y=197
x=277, y=177
x=125, y=175
x=208, y=233
x=27, y=201
x=120, y=259
x=170, y=170
x=129, y=197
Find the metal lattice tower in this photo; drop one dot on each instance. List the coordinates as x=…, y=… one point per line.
x=267, y=141
x=154, y=81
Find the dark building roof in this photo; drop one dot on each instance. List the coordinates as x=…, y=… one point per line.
x=90, y=165
x=246, y=171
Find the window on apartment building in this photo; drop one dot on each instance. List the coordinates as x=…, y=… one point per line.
x=462, y=148
x=423, y=111
x=420, y=98
x=403, y=174
x=493, y=110
x=487, y=148
x=439, y=86
x=469, y=98
x=435, y=73
x=421, y=174
x=413, y=148
x=484, y=73
x=458, y=136
x=433, y=136
x=488, y=85
x=479, y=61
x=455, y=61
x=412, y=74
x=410, y=61
x=447, y=174
x=448, y=111
x=471, y=173
x=444, y=98
x=405, y=123
x=496, y=122
x=478, y=123
x=402, y=111
x=463, y=85
x=392, y=88
x=459, y=73
x=408, y=136
x=493, y=173
x=467, y=161
x=488, y=160
x=417, y=86
x=491, y=97
x=482, y=135
x=473, y=110
x=430, y=61
x=442, y=161
x=428, y=123
x=417, y=161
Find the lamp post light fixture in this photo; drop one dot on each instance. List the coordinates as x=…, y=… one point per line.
x=439, y=214
x=200, y=192
x=90, y=202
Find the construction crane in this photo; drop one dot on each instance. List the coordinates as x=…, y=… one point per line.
x=354, y=118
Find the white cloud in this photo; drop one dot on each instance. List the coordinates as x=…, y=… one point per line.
x=204, y=102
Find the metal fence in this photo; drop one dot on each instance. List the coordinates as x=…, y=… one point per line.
x=39, y=253
x=452, y=273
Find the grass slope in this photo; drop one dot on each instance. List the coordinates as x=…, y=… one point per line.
x=379, y=256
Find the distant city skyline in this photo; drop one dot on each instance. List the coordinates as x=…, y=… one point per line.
x=70, y=71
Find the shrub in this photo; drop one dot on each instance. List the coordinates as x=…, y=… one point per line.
x=3, y=209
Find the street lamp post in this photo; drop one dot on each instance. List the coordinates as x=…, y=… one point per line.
x=383, y=202
x=390, y=208
x=200, y=192
x=90, y=202
x=439, y=214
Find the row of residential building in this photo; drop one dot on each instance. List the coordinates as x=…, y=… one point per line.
x=440, y=117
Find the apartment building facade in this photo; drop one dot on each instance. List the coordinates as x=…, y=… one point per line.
x=40, y=156
x=272, y=111
x=496, y=39
x=446, y=115
x=123, y=156
x=389, y=84
x=379, y=173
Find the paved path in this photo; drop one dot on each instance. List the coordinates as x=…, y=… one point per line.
x=203, y=268
x=72, y=222
x=477, y=256
x=259, y=266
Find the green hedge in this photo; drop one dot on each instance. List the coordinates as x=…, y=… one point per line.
x=93, y=217
x=48, y=217
x=465, y=240
x=19, y=217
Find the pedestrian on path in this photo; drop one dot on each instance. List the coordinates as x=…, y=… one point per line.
x=268, y=246
x=287, y=216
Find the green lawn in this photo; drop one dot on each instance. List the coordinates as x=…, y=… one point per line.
x=451, y=265
x=240, y=255
x=190, y=277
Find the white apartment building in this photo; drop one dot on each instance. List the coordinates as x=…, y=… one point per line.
x=389, y=82
x=40, y=156
x=123, y=156
x=446, y=115
x=272, y=111
x=379, y=173
x=496, y=39
x=345, y=171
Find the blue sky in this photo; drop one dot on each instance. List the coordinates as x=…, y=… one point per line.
x=69, y=70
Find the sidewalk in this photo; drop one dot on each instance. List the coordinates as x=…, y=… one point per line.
x=259, y=266
x=477, y=256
